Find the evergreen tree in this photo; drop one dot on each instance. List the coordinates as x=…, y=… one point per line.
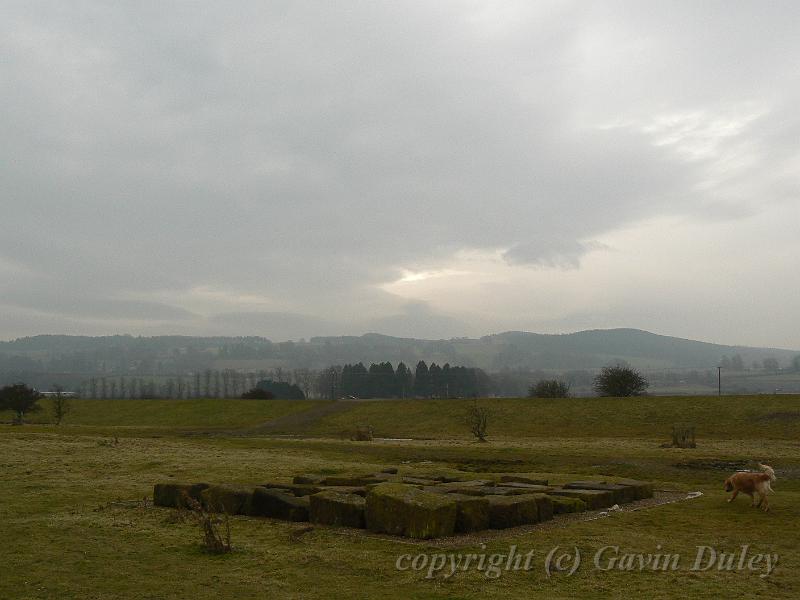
x=422, y=380
x=436, y=384
x=404, y=380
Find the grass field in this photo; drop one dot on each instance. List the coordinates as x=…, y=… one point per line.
x=73, y=527
x=166, y=415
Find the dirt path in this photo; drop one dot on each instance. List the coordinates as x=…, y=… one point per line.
x=297, y=423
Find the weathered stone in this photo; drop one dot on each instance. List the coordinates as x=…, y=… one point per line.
x=530, y=487
x=588, y=482
x=440, y=477
x=472, y=513
x=308, y=479
x=478, y=490
x=522, y=479
x=230, y=499
x=564, y=504
x=296, y=489
x=335, y=508
x=460, y=485
x=466, y=491
x=278, y=505
x=511, y=511
x=594, y=499
x=418, y=481
x=546, y=507
x=400, y=509
x=502, y=490
x=351, y=480
x=172, y=494
x=622, y=494
x=643, y=489
x=348, y=489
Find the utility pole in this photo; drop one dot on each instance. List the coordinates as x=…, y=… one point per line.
x=719, y=381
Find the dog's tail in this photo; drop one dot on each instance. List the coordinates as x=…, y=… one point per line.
x=768, y=470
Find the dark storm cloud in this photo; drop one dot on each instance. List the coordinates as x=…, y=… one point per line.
x=306, y=152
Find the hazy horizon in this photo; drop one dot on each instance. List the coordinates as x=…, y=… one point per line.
x=415, y=169
x=419, y=338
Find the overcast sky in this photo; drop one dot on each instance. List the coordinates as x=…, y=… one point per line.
x=427, y=169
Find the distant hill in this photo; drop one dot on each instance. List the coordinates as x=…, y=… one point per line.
x=593, y=349
x=581, y=350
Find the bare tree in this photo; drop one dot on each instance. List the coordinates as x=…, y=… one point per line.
x=226, y=381
x=60, y=406
x=328, y=383
x=771, y=364
x=304, y=379
x=478, y=421
x=207, y=384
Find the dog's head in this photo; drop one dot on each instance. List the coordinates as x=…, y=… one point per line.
x=728, y=485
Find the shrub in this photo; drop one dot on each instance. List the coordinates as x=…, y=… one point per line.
x=281, y=389
x=549, y=388
x=213, y=539
x=620, y=381
x=363, y=433
x=258, y=394
x=21, y=399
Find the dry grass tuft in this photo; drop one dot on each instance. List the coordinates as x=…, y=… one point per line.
x=213, y=540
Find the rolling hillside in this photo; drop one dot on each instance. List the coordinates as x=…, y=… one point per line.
x=178, y=354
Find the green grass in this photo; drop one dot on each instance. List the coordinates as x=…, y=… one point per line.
x=65, y=537
x=774, y=417
x=176, y=414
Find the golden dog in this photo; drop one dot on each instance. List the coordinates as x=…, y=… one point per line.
x=751, y=484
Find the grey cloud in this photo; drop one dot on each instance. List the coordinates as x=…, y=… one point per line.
x=547, y=251
x=419, y=320
x=304, y=152
x=69, y=303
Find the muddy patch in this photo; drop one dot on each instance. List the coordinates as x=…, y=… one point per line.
x=711, y=464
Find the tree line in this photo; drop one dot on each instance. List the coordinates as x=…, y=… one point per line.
x=379, y=380
x=376, y=381
x=210, y=383
x=382, y=380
